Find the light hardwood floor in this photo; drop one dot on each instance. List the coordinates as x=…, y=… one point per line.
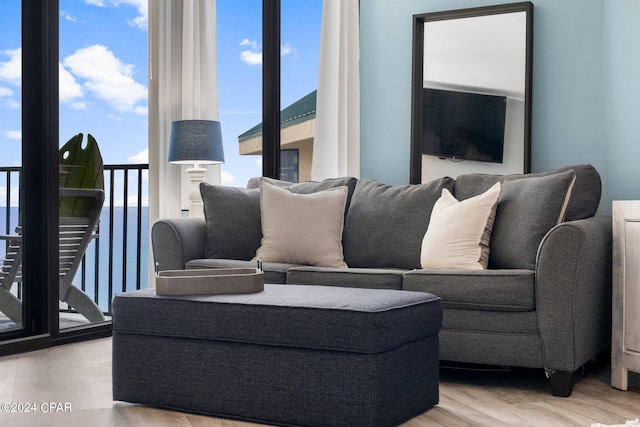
x=79, y=375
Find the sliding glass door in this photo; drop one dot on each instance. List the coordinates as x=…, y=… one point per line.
x=11, y=287
x=30, y=207
x=103, y=94
x=28, y=84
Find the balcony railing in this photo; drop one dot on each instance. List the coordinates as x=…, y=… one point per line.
x=118, y=259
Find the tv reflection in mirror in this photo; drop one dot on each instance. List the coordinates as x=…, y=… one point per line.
x=463, y=125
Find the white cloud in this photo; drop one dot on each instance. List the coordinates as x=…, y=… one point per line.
x=141, y=21
x=251, y=43
x=14, y=134
x=141, y=157
x=286, y=49
x=253, y=56
x=69, y=88
x=68, y=16
x=107, y=77
x=11, y=71
x=226, y=178
x=141, y=110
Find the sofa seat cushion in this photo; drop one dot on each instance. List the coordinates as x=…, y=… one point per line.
x=374, y=278
x=491, y=290
x=274, y=272
x=385, y=224
x=310, y=317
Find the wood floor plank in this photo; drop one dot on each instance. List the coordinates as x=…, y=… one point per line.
x=80, y=375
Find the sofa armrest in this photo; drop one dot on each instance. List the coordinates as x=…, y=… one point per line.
x=573, y=292
x=178, y=240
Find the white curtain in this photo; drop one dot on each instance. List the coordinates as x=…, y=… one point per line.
x=182, y=85
x=336, y=145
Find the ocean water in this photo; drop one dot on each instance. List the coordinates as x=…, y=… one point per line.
x=111, y=263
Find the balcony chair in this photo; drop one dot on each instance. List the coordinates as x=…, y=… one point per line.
x=81, y=201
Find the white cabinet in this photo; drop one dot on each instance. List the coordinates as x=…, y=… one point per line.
x=625, y=342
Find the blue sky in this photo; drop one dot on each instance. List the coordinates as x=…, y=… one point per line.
x=103, y=74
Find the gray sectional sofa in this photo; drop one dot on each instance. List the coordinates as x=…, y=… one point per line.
x=543, y=302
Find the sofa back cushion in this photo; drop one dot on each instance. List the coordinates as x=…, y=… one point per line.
x=385, y=223
x=585, y=196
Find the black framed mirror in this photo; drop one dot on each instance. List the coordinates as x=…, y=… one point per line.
x=471, y=91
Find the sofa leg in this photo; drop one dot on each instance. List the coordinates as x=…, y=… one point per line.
x=561, y=382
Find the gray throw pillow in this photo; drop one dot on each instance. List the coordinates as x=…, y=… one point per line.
x=527, y=209
x=232, y=216
x=385, y=224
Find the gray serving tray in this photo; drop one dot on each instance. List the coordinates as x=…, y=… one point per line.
x=209, y=281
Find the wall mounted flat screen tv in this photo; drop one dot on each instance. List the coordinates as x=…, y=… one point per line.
x=463, y=125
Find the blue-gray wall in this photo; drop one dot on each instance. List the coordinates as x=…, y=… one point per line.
x=621, y=103
x=586, y=87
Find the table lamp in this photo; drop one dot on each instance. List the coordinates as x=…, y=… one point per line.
x=196, y=142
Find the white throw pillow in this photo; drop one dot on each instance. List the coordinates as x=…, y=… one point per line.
x=459, y=232
x=302, y=228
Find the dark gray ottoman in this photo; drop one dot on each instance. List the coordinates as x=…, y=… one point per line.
x=291, y=355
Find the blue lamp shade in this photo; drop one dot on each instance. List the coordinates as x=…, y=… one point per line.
x=196, y=141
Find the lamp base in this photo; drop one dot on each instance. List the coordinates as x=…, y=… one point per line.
x=196, y=176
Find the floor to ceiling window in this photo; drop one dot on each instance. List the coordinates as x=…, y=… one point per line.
x=300, y=53
x=239, y=61
x=29, y=86
x=65, y=71
x=86, y=72
x=103, y=96
x=240, y=82
x=11, y=289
